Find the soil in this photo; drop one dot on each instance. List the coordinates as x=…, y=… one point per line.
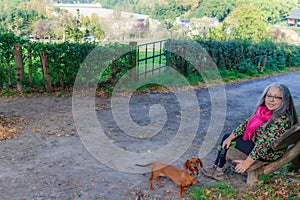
x=48, y=159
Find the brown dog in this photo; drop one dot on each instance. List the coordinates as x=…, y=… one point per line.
x=180, y=177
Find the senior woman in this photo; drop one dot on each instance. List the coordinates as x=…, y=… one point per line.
x=274, y=114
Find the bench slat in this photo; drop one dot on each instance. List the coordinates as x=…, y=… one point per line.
x=289, y=155
x=290, y=137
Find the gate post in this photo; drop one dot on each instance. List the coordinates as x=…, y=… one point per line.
x=168, y=47
x=132, y=60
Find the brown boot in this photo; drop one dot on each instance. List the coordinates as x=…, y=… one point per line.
x=214, y=172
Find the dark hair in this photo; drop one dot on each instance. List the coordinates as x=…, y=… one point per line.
x=287, y=107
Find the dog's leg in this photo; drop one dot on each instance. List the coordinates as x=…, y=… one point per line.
x=181, y=190
x=158, y=182
x=151, y=180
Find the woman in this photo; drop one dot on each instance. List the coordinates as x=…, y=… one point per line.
x=275, y=113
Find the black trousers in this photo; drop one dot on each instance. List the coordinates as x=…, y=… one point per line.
x=244, y=146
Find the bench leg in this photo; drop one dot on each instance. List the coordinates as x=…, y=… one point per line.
x=296, y=163
x=252, y=176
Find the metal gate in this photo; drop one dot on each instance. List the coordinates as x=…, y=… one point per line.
x=152, y=58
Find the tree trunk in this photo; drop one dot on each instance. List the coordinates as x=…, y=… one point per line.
x=46, y=71
x=19, y=66
x=30, y=63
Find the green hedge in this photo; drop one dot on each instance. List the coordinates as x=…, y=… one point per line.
x=244, y=57
x=64, y=61
x=66, y=58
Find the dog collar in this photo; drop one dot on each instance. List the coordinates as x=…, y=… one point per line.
x=191, y=174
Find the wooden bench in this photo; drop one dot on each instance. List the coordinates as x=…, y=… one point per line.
x=289, y=140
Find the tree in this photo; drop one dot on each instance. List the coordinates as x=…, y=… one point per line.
x=216, y=8
x=85, y=20
x=245, y=23
x=188, y=4
x=63, y=25
x=17, y=20
x=42, y=29
x=92, y=26
x=169, y=11
x=40, y=6
x=273, y=11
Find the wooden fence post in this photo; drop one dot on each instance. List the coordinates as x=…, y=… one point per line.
x=132, y=61
x=19, y=66
x=46, y=71
x=29, y=56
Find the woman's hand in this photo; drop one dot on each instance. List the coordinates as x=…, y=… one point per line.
x=243, y=165
x=226, y=143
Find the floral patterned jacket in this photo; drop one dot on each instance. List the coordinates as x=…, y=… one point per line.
x=264, y=138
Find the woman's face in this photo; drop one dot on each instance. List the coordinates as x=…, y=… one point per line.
x=273, y=98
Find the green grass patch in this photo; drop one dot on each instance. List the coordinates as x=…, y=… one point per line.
x=282, y=184
x=216, y=191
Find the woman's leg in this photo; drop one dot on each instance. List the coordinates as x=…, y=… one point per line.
x=215, y=171
x=244, y=146
x=220, y=160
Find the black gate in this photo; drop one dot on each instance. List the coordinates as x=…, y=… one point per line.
x=152, y=58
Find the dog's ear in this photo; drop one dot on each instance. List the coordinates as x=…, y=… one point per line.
x=200, y=162
x=185, y=165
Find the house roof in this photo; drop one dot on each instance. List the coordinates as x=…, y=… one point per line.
x=295, y=14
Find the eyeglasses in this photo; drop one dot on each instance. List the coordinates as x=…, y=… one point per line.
x=276, y=98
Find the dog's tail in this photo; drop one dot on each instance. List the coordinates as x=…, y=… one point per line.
x=147, y=165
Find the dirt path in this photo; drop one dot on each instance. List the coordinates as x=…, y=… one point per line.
x=49, y=160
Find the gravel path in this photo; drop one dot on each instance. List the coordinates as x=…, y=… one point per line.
x=48, y=160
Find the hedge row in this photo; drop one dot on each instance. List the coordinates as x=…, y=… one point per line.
x=65, y=59
x=248, y=57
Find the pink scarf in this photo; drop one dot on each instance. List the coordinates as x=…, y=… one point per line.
x=262, y=115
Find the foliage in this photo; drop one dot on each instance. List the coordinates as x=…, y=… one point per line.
x=188, y=4
x=10, y=127
x=239, y=59
x=20, y=20
x=234, y=59
x=217, y=191
x=281, y=185
x=7, y=41
x=215, y=8
x=42, y=20
x=64, y=60
x=244, y=23
x=273, y=11
x=168, y=11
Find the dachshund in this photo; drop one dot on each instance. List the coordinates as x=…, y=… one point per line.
x=184, y=178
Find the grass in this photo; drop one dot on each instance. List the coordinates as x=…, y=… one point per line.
x=216, y=191
x=279, y=185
